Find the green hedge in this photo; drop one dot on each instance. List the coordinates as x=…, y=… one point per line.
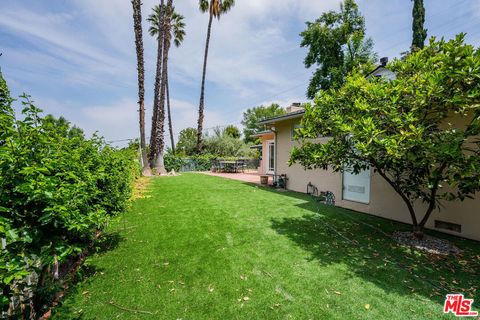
x=57, y=189
x=200, y=162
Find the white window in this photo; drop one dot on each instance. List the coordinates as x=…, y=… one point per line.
x=270, y=167
x=356, y=187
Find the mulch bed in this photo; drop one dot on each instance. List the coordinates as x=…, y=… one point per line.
x=428, y=243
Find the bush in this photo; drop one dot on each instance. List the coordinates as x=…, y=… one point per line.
x=57, y=189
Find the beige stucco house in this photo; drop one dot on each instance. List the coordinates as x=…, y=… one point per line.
x=366, y=192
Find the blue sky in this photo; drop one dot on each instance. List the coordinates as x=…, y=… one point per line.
x=77, y=58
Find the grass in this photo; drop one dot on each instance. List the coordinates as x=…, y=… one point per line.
x=202, y=247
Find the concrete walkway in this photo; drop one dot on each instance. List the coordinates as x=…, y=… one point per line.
x=252, y=177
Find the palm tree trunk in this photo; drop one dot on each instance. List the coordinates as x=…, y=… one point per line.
x=160, y=129
x=170, y=125
x=158, y=77
x=202, y=92
x=137, y=25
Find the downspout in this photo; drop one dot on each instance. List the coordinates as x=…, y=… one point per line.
x=274, y=130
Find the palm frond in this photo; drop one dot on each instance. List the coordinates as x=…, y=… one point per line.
x=203, y=5
x=178, y=28
x=154, y=20
x=227, y=5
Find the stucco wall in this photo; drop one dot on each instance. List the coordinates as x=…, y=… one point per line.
x=384, y=201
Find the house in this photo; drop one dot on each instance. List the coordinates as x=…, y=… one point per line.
x=367, y=191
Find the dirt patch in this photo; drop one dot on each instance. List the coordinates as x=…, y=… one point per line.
x=140, y=188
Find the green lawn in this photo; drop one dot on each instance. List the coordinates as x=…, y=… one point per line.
x=203, y=247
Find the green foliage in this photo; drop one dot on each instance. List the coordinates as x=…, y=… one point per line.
x=232, y=131
x=173, y=162
x=216, y=8
x=177, y=24
x=419, y=32
x=57, y=189
x=337, y=44
x=419, y=131
x=187, y=142
x=222, y=144
x=201, y=162
x=252, y=116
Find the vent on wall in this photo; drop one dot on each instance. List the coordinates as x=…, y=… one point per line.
x=448, y=226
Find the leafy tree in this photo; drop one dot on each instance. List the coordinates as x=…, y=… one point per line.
x=215, y=9
x=187, y=141
x=232, y=131
x=252, y=116
x=419, y=32
x=337, y=44
x=223, y=145
x=137, y=27
x=64, y=126
x=177, y=32
x=419, y=131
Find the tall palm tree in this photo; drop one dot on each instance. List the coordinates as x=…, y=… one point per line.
x=137, y=27
x=176, y=30
x=215, y=8
x=158, y=11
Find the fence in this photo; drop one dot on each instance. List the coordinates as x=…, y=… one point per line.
x=191, y=164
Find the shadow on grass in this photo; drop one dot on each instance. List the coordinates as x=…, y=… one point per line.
x=334, y=235
x=86, y=273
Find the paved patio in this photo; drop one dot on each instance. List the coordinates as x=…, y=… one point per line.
x=252, y=177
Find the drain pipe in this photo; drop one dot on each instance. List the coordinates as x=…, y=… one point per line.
x=275, y=151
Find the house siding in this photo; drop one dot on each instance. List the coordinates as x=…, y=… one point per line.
x=384, y=201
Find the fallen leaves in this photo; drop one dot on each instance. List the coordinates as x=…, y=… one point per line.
x=211, y=288
x=367, y=306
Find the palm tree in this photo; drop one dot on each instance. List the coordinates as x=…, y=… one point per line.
x=158, y=12
x=215, y=8
x=137, y=26
x=176, y=30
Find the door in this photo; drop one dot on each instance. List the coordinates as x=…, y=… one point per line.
x=356, y=187
x=270, y=167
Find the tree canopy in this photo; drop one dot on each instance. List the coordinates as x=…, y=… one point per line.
x=418, y=131
x=252, y=116
x=337, y=44
x=232, y=131
x=419, y=32
x=187, y=141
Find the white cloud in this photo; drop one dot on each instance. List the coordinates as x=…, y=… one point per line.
x=90, y=46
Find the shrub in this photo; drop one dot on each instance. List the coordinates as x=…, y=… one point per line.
x=57, y=189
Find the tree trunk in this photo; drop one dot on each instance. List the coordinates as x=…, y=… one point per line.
x=405, y=199
x=137, y=25
x=158, y=77
x=202, y=92
x=170, y=125
x=160, y=129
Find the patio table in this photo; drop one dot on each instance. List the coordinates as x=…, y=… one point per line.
x=228, y=166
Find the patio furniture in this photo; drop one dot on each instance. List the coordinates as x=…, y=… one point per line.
x=227, y=166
